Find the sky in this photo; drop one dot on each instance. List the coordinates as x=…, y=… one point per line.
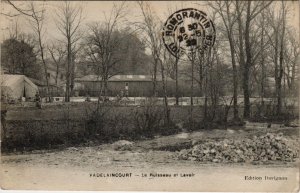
x=92, y=11
x=96, y=11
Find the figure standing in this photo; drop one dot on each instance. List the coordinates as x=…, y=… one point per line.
x=38, y=100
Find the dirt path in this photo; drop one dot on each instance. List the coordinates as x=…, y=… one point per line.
x=205, y=178
x=70, y=168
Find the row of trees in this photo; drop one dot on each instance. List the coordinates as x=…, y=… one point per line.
x=260, y=43
x=255, y=42
x=103, y=49
x=68, y=21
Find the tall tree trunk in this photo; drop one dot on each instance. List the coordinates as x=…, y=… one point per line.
x=262, y=64
x=247, y=66
x=279, y=91
x=213, y=87
x=67, y=96
x=192, y=93
x=276, y=67
x=235, y=78
x=278, y=55
x=293, y=77
x=44, y=63
x=154, y=78
x=56, y=75
x=206, y=83
x=167, y=109
x=105, y=83
x=201, y=56
x=72, y=77
x=241, y=49
x=105, y=88
x=176, y=81
x=192, y=83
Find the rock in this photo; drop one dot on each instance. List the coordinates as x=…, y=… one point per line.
x=182, y=135
x=215, y=160
x=195, y=142
x=122, y=145
x=122, y=142
x=72, y=149
x=179, y=125
x=193, y=158
x=239, y=152
x=261, y=149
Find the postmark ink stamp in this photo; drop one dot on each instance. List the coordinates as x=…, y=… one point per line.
x=187, y=31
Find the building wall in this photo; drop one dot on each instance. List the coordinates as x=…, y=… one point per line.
x=52, y=77
x=53, y=91
x=136, y=88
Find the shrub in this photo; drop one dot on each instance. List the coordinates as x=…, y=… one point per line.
x=95, y=122
x=148, y=118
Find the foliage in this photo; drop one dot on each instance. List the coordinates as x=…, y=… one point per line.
x=148, y=119
x=19, y=58
x=126, y=51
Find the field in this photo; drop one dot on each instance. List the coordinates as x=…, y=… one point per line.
x=71, y=163
x=71, y=167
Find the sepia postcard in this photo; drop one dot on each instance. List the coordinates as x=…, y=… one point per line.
x=180, y=96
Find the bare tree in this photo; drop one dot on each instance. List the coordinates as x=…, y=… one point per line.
x=14, y=30
x=172, y=70
x=37, y=22
x=226, y=10
x=246, y=12
x=57, y=53
x=20, y=10
x=277, y=39
x=279, y=70
x=68, y=20
x=103, y=43
x=164, y=79
x=262, y=63
x=151, y=27
x=292, y=57
x=36, y=19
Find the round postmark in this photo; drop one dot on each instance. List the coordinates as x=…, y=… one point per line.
x=187, y=31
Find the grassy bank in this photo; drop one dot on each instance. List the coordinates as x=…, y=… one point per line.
x=76, y=123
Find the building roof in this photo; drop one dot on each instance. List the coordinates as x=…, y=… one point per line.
x=117, y=78
x=10, y=79
x=40, y=83
x=16, y=86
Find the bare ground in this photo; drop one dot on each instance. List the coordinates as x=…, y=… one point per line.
x=70, y=168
